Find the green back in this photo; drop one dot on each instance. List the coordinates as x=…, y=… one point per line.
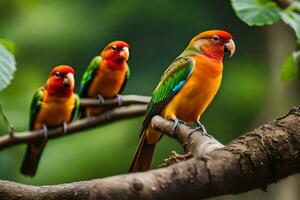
x=35, y=106
x=170, y=83
x=88, y=75
x=126, y=78
x=75, y=112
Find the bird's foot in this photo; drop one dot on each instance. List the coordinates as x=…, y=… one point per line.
x=175, y=158
x=100, y=99
x=65, y=128
x=176, y=124
x=108, y=115
x=45, y=131
x=201, y=128
x=119, y=100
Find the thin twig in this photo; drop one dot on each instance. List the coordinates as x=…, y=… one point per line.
x=108, y=103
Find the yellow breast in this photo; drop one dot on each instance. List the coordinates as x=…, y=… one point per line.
x=106, y=82
x=197, y=93
x=54, y=111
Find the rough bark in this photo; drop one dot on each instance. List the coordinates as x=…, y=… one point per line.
x=254, y=160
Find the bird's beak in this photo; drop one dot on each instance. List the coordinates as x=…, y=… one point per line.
x=124, y=53
x=229, y=47
x=69, y=80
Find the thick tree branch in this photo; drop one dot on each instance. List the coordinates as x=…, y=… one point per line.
x=254, y=160
x=9, y=140
x=196, y=143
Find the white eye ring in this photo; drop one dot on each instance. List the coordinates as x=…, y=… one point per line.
x=57, y=74
x=114, y=48
x=215, y=38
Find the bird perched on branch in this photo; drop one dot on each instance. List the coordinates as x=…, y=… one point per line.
x=106, y=75
x=185, y=89
x=53, y=105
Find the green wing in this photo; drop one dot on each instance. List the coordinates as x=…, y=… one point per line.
x=88, y=75
x=170, y=83
x=75, y=112
x=126, y=78
x=35, y=106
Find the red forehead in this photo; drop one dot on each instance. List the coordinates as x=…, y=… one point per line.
x=119, y=43
x=224, y=34
x=63, y=69
x=207, y=34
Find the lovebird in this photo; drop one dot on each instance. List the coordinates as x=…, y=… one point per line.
x=185, y=89
x=53, y=105
x=106, y=75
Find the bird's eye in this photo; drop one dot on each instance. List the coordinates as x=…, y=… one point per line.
x=114, y=48
x=215, y=38
x=57, y=74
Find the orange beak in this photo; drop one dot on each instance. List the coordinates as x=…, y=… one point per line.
x=229, y=47
x=125, y=53
x=69, y=81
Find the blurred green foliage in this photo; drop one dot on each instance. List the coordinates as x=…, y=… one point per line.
x=289, y=69
x=257, y=12
x=48, y=33
x=266, y=12
x=7, y=63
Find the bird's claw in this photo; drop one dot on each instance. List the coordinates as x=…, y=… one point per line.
x=201, y=128
x=119, y=100
x=176, y=124
x=100, y=99
x=65, y=128
x=108, y=115
x=45, y=132
x=175, y=158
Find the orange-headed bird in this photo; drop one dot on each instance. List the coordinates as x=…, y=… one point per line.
x=106, y=75
x=53, y=105
x=185, y=89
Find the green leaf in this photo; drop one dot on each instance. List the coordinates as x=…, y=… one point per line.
x=7, y=67
x=9, y=45
x=290, y=69
x=292, y=18
x=256, y=12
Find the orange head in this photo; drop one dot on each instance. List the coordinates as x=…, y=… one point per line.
x=117, y=52
x=61, y=81
x=213, y=44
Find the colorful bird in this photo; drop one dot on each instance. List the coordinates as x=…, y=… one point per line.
x=185, y=90
x=53, y=105
x=106, y=75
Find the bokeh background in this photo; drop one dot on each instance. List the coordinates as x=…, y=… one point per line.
x=48, y=33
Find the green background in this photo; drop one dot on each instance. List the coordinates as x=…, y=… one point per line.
x=48, y=33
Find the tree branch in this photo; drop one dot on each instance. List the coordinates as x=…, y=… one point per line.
x=196, y=143
x=254, y=160
x=9, y=140
x=108, y=103
x=138, y=108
